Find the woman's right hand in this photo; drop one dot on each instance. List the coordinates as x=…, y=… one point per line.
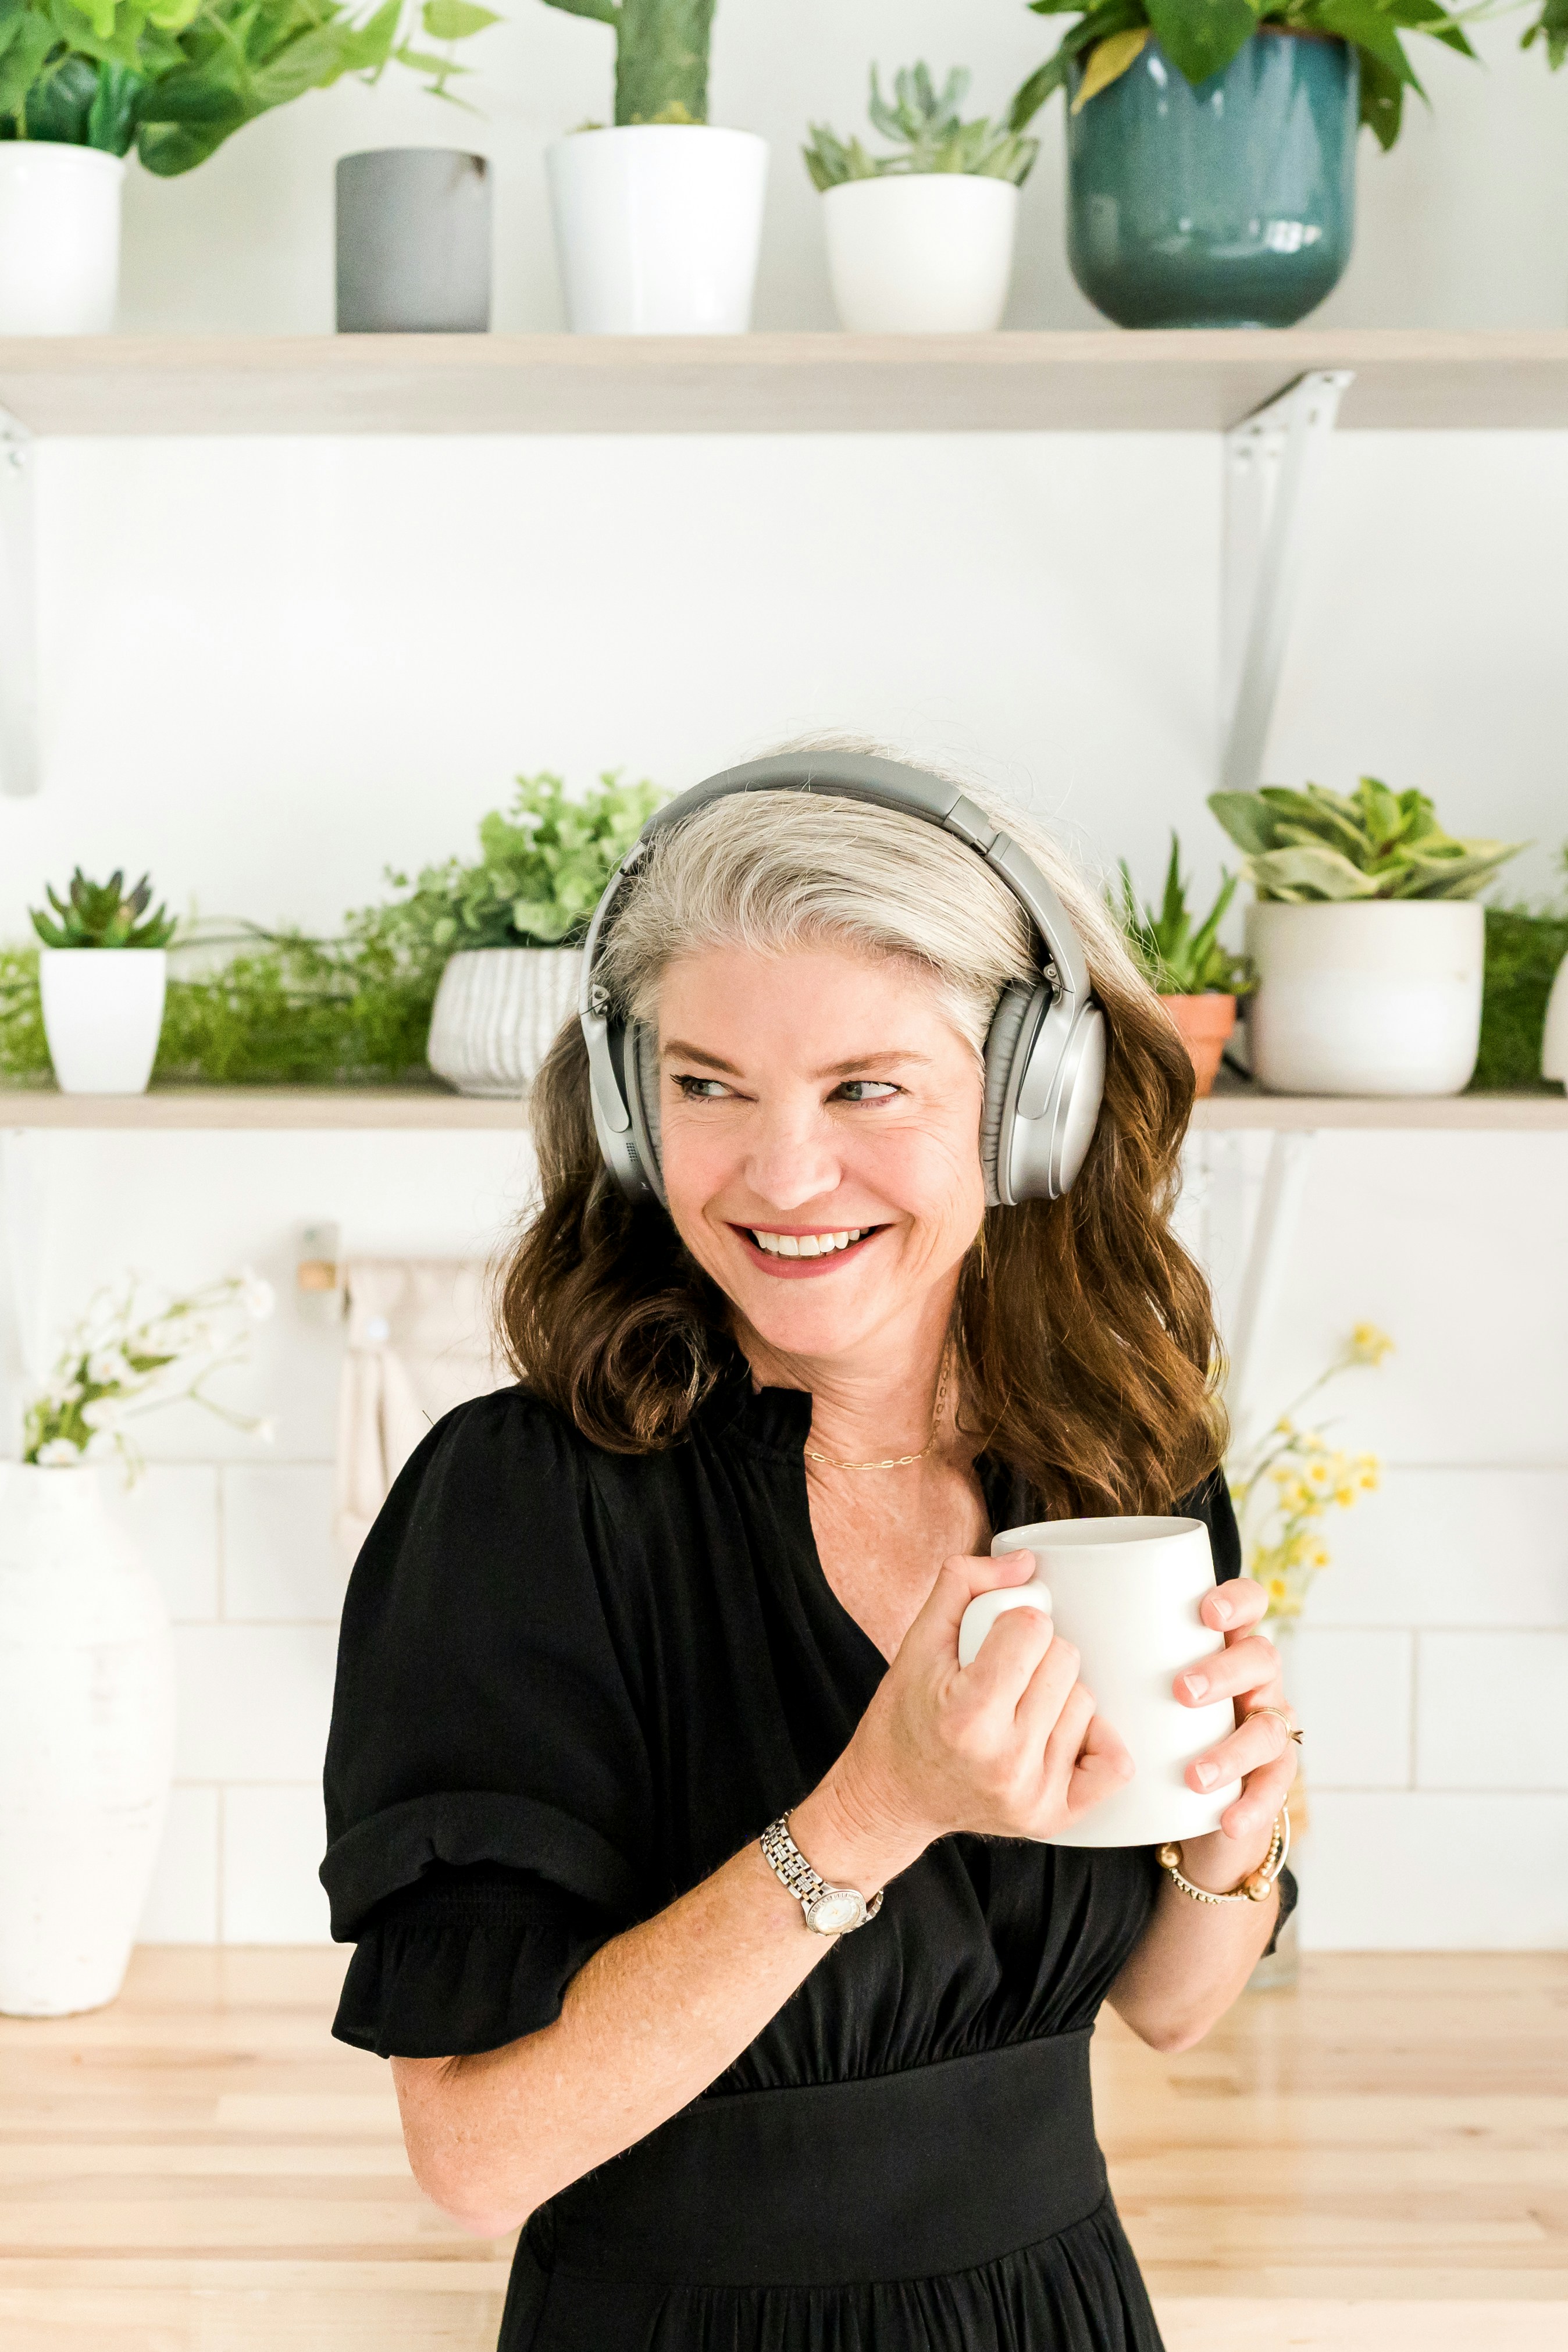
x=1009, y=1746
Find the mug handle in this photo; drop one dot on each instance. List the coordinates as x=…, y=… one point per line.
x=986, y=1607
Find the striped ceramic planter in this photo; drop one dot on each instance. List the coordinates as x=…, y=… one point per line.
x=497, y=1014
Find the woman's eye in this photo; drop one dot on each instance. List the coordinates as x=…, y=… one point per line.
x=859, y=1090
x=702, y=1090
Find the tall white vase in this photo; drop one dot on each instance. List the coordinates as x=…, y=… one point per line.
x=87, y=1742
x=1554, y=1037
x=657, y=226
x=59, y=238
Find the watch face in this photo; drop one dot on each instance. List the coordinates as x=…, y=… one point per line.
x=834, y=1909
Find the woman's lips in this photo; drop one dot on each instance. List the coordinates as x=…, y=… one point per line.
x=802, y=1269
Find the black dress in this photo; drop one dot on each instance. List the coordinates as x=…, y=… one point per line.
x=570, y=1685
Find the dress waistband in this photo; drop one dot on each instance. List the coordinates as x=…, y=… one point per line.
x=940, y=2167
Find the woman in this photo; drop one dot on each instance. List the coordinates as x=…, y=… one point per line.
x=650, y=1650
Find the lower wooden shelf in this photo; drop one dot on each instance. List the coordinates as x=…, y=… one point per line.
x=175, y=1110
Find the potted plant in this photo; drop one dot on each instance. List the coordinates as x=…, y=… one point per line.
x=920, y=241
x=1366, y=937
x=1197, y=977
x=87, y=1683
x=1211, y=147
x=1524, y=999
x=512, y=924
x=659, y=218
x=103, y=974
x=171, y=79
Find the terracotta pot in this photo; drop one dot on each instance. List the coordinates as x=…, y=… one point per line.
x=1205, y=1024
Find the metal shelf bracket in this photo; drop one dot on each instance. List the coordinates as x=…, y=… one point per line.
x=18, y=610
x=1272, y=460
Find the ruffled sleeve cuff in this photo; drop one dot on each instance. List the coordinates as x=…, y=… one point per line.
x=466, y=1959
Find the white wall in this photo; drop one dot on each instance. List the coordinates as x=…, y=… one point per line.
x=269, y=669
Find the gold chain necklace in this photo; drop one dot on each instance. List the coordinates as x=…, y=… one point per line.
x=897, y=1460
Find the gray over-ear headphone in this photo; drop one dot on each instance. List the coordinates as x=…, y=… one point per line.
x=1044, y=1055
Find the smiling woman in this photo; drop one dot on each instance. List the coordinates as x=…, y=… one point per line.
x=852, y=1249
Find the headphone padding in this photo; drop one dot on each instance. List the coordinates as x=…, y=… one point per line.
x=1001, y=1051
x=642, y=1063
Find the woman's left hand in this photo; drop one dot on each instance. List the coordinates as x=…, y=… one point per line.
x=1260, y=1752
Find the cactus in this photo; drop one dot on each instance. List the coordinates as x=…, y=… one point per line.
x=661, y=56
x=104, y=914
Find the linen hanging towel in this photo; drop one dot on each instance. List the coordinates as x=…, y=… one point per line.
x=419, y=1344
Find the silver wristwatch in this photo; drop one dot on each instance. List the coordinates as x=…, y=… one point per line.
x=829, y=1910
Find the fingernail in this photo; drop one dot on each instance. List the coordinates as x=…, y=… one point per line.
x=1208, y=1774
x=1196, y=1684
x=1222, y=1609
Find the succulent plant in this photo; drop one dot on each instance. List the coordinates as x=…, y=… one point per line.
x=1377, y=843
x=1176, y=959
x=924, y=123
x=104, y=914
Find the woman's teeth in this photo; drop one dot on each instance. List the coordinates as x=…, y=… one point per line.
x=806, y=1245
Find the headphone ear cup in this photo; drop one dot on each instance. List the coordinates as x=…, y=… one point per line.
x=1000, y=1055
x=642, y=1068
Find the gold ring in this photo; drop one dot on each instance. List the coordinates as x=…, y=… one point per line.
x=1291, y=1729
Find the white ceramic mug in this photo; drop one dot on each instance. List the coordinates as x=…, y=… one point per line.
x=1125, y=1593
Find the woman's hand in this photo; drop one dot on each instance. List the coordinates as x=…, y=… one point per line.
x=1259, y=1753
x=1009, y=1746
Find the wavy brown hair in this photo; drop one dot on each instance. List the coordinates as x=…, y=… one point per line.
x=1086, y=1347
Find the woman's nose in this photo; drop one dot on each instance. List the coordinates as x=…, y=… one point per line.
x=792, y=1160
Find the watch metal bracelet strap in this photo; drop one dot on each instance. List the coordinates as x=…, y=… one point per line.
x=829, y=1910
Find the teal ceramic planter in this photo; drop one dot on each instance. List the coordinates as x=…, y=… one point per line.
x=1230, y=204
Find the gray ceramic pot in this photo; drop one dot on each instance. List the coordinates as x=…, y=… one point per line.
x=413, y=241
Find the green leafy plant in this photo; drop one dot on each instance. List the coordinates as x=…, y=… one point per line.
x=544, y=867
x=175, y=79
x=1551, y=27
x=661, y=56
x=925, y=125
x=1178, y=960
x=1200, y=37
x=1318, y=844
x=104, y=914
x=1525, y=946
x=256, y=1007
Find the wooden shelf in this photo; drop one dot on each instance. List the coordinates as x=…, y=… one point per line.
x=323, y=1110
x=1475, y=1113
x=1183, y=381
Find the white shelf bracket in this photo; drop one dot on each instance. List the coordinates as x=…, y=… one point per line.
x=1272, y=460
x=18, y=610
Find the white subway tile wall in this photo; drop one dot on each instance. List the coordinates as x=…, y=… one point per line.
x=1431, y=1671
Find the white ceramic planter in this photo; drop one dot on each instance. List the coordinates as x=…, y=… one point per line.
x=1554, y=1038
x=103, y=1008
x=87, y=1742
x=59, y=238
x=497, y=1013
x=926, y=253
x=657, y=226
x=1380, y=997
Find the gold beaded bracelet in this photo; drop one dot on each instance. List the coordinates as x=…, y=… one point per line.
x=1254, y=1888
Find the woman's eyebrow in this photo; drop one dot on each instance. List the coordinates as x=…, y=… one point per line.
x=676, y=1050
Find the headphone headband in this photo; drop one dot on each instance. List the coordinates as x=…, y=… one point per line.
x=1047, y=1077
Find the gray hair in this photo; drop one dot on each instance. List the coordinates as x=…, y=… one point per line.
x=773, y=871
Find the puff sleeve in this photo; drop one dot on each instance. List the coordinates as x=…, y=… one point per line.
x=486, y=1782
